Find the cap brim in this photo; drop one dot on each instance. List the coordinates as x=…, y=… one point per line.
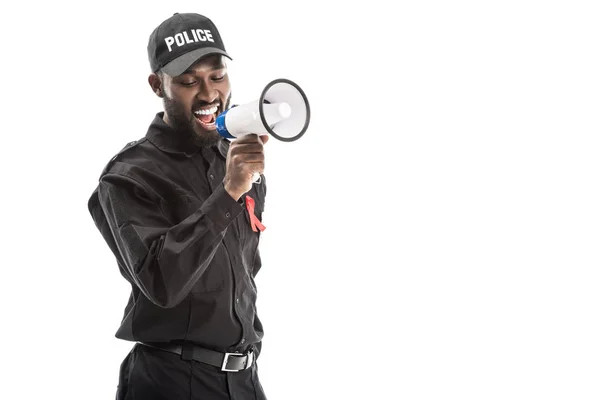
x=183, y=62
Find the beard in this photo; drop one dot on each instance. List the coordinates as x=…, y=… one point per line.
x=185, y=125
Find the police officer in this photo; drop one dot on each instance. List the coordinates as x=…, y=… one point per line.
x=179, y=210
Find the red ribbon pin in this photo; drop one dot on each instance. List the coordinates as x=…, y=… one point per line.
x=254, y=221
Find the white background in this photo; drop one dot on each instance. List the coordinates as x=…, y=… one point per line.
x=434, y=235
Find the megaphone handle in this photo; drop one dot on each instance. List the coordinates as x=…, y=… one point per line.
x=256, y=177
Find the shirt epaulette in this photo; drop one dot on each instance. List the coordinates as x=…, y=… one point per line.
x=124, y=149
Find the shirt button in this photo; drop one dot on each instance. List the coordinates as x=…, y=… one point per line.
x=212, y=176
x=243, y=341
x=227, y=215
x=237, y=300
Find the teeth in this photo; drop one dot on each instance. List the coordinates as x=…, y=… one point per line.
x=207, y=112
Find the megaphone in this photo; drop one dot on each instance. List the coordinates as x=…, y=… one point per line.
x=282, y=111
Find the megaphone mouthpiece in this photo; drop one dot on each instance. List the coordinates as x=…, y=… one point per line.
x=284, y=110
x=275, y=113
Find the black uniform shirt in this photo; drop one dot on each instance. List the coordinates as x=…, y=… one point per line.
x=185, y=245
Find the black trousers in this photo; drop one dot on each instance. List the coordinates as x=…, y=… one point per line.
x=152, y=374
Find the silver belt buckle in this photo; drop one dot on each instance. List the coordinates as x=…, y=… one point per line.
x=249, y=361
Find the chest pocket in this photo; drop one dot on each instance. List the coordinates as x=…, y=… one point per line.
x=250, y=239
x=259, y=205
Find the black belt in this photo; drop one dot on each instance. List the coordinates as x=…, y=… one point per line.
x=228, y=362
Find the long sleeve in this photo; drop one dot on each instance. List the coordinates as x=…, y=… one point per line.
x=164, y=261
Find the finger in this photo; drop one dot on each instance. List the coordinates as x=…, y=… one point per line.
x=249, y=138
x=250, y=169
x=248, y=158
x=241, y=148
x=247, y=149
x=264, y=138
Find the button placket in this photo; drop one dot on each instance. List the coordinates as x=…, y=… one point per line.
x=211, y=173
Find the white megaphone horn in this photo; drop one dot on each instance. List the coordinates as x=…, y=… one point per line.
x=282, y=111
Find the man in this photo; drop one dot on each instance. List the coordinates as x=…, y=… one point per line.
x=180, y=212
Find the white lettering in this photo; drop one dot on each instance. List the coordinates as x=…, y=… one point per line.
x=182, y=38
x=170, y=42
x=187, y=39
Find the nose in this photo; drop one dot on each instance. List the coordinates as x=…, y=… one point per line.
x=207, y=92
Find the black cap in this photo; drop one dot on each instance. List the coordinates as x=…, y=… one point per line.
x=181, y=40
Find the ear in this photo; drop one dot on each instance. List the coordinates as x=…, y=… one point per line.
x=156, y=84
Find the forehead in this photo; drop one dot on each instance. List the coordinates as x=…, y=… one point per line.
x=206, y=64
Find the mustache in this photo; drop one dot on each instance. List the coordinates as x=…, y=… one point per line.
x=202, y=104
x=217, y=102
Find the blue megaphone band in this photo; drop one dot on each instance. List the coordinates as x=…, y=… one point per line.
x=221, y=128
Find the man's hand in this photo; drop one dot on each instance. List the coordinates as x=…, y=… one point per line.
x=244, y=158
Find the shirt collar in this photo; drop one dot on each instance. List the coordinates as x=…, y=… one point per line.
x=171, y=141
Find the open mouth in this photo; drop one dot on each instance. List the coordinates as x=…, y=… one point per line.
x=206, y=117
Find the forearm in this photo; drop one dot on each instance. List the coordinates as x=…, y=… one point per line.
x=163, y=260
x=184, y=252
